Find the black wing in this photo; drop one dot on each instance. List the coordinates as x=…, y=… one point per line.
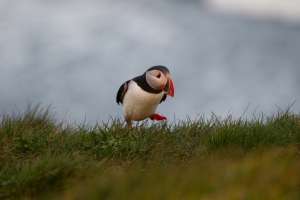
x=121, y=92
x=163, y=98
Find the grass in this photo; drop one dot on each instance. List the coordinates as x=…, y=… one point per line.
x=215, y=158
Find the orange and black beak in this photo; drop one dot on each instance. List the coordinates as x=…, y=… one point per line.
x=169, y=87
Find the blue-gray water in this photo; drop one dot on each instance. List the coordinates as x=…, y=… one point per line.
x=75, y=55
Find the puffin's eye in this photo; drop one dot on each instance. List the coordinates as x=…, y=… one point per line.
x=158, y=75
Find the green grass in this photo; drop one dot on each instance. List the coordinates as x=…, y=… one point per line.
x=207, y=158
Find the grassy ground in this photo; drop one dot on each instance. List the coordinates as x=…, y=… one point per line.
x=215, y=158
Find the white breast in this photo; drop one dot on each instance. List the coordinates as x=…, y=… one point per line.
x=138, y=104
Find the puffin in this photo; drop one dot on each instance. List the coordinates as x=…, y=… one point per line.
x=141, y=95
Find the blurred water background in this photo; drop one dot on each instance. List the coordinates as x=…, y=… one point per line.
x=222, y=55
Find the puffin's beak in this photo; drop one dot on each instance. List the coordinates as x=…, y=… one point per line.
x=169, y=87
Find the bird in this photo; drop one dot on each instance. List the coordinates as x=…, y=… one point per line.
x=141, y=95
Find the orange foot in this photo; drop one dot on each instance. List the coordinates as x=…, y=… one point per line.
x=157, y=117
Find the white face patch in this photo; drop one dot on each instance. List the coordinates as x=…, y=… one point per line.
x=156, y=79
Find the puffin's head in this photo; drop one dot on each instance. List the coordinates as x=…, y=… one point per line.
x=158, y=77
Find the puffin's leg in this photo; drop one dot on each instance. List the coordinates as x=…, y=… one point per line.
x=129, y=124
x=128, y=120
x=157, y=117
